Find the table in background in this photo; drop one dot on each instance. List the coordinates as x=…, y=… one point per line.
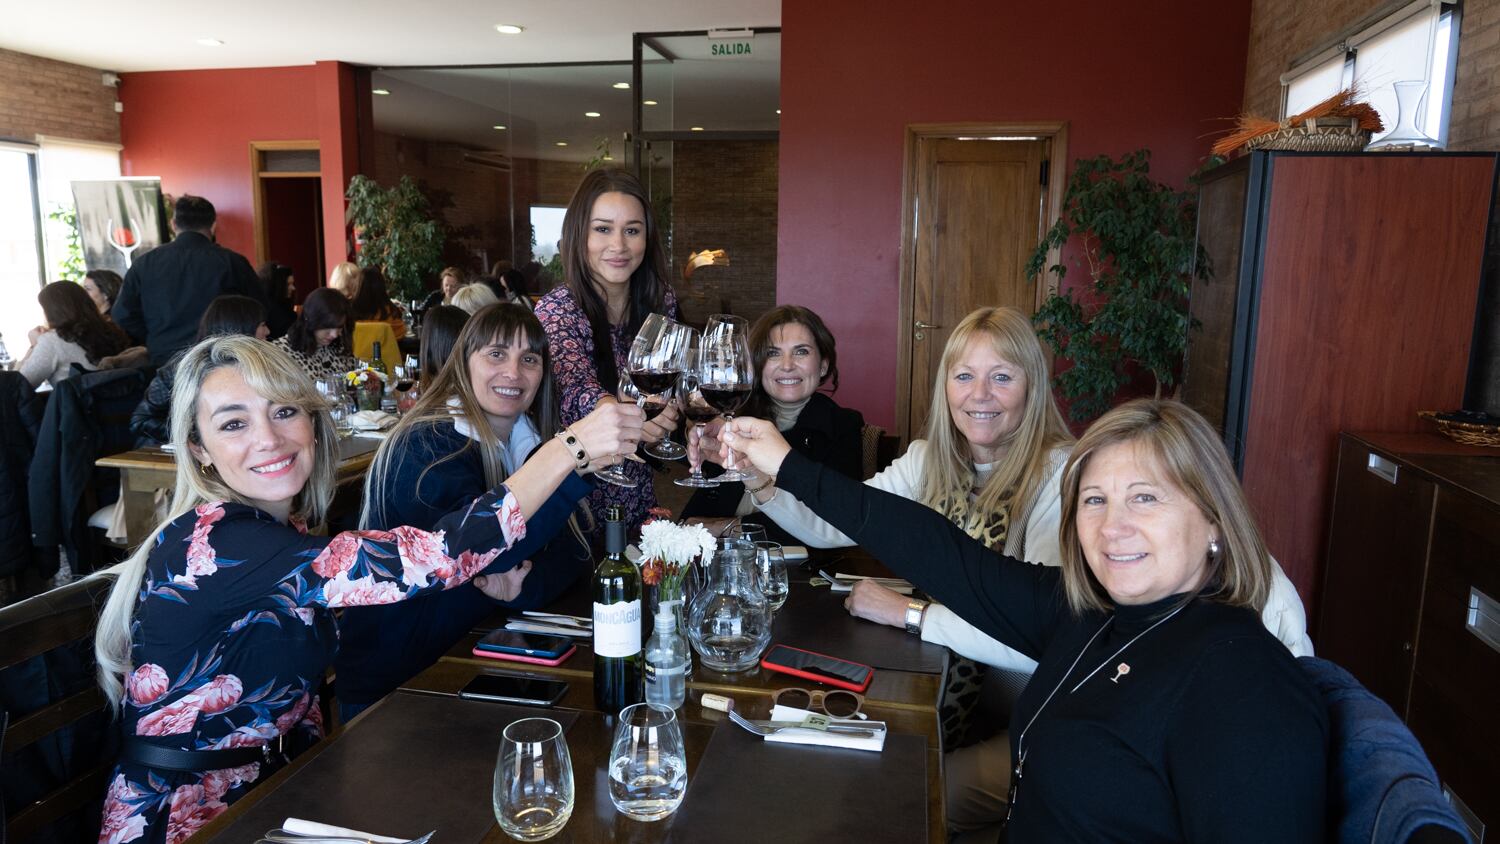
x=143, y=471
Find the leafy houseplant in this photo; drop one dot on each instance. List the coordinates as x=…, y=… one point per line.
x=399, y=233
x=70, y=265
x=1139, y=239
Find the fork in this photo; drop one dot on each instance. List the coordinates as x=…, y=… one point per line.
x=763, y=731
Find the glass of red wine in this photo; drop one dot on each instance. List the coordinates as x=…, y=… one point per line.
x=726, y=373
x=657, y=358
x=615, y=472
x=696, y=411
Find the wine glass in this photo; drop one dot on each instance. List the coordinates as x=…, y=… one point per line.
x=726, y=373
x=773, y=577
x=656, y=362
x=697, y=411
x=615, y=473
x=647, y=763
x=533, y=792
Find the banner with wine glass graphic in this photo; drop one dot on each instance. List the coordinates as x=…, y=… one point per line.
x=119, y=220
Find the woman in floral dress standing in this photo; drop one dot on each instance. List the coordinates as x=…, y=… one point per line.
x=614, y=276
x=218, y=632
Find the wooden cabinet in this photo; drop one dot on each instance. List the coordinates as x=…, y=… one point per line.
x=1411, y=598
x=1344, y=298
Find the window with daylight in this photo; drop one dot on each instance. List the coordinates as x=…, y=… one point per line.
x=1414, y=46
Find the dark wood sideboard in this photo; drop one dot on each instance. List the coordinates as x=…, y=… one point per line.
x=1411, y=599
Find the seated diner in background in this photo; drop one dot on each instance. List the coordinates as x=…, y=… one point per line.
x=449, y=282
x=440, y=329
x=345, y=279
x=217, y=634
x=103, y=286
x=74, y=333
x=371, y=303
x=281, y=296
x=472, y=297
x=795, y=355
x=1156, y=675
x=320, y=339
x=232, y=314
x=492, y=407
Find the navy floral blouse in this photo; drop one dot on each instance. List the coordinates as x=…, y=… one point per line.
x=233, y=633
x=571, y=342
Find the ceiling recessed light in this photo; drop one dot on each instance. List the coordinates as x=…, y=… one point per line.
x=778, y=111
x=509, y=29
x=380, y=92
x=591, y=114
x=500, y=126
x=210, y=42
x=622, y=85
x=648, y=102
x=562, y=143
x=696, y=129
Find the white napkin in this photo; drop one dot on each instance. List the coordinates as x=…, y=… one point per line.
x=313, y=828
x=845, y=582
x=790, y=713
x=371, y=420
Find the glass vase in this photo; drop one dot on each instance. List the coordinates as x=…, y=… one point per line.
x=1409, y=96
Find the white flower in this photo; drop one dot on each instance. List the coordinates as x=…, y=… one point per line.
x=674, y=543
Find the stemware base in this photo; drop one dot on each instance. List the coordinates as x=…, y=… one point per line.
x=733, y=475
x=699, y=483
x=616, y=476
x=666, y=450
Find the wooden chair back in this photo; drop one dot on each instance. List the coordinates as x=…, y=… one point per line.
x=60, y=740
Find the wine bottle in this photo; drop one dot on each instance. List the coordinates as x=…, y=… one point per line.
x=618, y=673
x=377, y=362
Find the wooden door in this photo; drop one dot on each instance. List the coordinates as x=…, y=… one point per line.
x=978, y=216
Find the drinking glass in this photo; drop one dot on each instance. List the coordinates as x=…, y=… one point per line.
x=774, y=582
x=647, y=763
x=615, y=473
x=533, y=793
x=752, y=532
x=726, y=373
x=698, y=411
x=656, y=361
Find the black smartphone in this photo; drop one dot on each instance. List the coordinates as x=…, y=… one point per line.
x=537, y=645
x=510, y=688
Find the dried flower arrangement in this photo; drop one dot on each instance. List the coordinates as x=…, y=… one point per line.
x=1341, y=123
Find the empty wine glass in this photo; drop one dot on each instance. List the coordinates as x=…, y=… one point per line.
x=533, y=792
x=647, y=763
x=726, y=373
x=773, y=577
x=697, y=411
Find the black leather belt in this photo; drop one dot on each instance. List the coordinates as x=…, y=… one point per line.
x=170, y=759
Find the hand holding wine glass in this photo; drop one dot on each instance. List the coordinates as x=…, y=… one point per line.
x=656, y=362
x=726, y=373
x=699, y=412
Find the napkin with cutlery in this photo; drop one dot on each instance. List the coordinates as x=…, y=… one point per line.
x=874, y=743
x=313, y=829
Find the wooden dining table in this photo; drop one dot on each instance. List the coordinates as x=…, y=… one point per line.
x=143, y=471
x=423, y=758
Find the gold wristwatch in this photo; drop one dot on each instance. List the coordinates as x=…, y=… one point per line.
x=915, y=610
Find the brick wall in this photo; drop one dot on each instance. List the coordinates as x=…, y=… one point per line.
x=1281, y=30
x=724, y=196
x=45, y=97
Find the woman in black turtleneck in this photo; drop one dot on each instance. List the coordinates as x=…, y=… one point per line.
x=1162, y=709
x=795, y=355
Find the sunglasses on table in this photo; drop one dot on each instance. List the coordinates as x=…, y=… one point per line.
x=837, y=703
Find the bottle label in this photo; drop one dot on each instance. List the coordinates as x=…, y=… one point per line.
x=655, y=673
x=617, y=628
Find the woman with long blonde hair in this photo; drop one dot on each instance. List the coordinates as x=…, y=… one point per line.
x=492, y=406
x=218, y=630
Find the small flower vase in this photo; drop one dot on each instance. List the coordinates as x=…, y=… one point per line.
x=369, y=395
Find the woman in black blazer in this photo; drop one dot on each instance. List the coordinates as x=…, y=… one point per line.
x=795, y=356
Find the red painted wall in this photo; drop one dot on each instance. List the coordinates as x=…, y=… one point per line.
x=1153, y=73
x=194, y=128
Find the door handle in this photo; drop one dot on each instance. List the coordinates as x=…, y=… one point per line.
x=923, y=326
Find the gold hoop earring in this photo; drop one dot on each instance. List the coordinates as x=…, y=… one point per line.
x=204, y=469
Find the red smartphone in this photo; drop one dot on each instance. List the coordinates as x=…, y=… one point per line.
x=819, y=668
x=534, y=660
x=524, y=647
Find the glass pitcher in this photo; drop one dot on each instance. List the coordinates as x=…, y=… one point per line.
x=728, y=620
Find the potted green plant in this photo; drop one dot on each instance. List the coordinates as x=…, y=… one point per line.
x=1138, y=237
x=398, y=232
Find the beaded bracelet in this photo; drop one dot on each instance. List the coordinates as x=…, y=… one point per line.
x=574, y=447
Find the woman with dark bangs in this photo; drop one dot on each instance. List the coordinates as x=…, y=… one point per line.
x=319, y=340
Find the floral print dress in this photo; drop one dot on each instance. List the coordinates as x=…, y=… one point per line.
x=571, y=342
x=233, y=633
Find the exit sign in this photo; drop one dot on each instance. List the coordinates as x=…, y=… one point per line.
x=730, y=48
